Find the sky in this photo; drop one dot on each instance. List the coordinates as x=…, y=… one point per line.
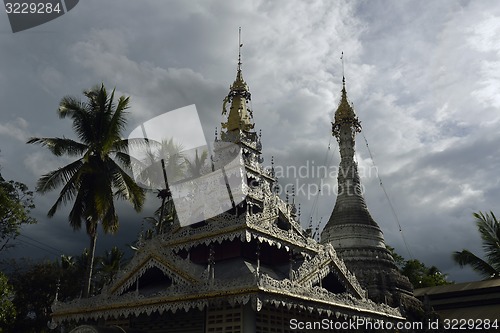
x=424, y=80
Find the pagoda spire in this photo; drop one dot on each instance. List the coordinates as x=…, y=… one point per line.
x=351, y=230
x=350, y=205
x=240, y=115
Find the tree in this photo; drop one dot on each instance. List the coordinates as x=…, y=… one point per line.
x=110, y=264
x=398, y=259
x=35, y=286
x=7, y=309
x=16, y=202
x=418, y=273
x=489, y=229
x=195, y=167
x=162, y=159
x=422, y=276
x=98, y=176
x=72, y=272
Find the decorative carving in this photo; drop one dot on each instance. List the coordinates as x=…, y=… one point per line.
x=174, y=298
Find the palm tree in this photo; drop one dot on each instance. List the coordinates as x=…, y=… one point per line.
x=162, y=158
x=195, y=167
x=489, y=229
x=110, y=264
x=97, y=177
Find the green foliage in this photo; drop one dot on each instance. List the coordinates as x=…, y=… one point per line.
x=109, y=265
x=7, y=309
x=422, y=276
x=399, y=260
x=489, y=229
x=418, y=273
x=35, y=287
x=98, y=175
x=16, y=202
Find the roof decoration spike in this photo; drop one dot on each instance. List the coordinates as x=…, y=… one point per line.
x=316, y=234
x=240, y=44
x=272, y=167
x=309, y=229
x=343, y=74
x=259, y=142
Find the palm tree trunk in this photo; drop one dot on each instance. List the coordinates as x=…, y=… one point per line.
x=90, y=265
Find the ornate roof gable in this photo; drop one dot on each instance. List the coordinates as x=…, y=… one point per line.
x=153, y=255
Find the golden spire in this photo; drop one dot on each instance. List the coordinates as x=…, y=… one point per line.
x=239, y=95
x=345, y=113
x=345, y=110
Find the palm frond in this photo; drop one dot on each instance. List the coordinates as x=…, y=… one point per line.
x=194, y=168
x=79, y=114
x=110, y=220
x=489, y=229
x=127, y=188
x=138, y=145
x=97, y=98
x=69, y=107
x=109, y=101
x=61, y=146
x=58, y=177
x=465, y=257
x=77, y=211
x=118, y=122
x=68, y=192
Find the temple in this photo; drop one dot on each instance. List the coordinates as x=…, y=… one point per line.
x=253, y=268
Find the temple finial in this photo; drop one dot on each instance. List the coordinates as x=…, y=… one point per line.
x=240, y=115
